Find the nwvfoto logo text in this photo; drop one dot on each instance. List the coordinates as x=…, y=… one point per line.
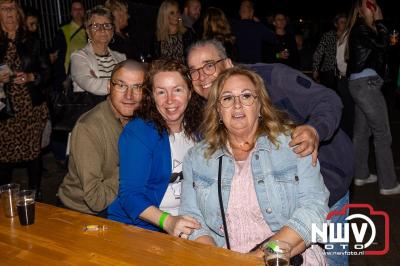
x=333, y=234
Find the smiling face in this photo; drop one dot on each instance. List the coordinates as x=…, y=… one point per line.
x=240, y=120
x=125, y=103
x=171, y=95
x=193, y=10
x=197, y=58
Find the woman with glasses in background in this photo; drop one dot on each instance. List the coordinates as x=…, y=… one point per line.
x=91, y=66
x=267, y=191
x=151, y=150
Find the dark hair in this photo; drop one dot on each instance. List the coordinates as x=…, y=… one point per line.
x=31, y=12
x=77, y=1
x=149, y=112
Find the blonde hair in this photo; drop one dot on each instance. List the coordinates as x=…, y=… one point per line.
x=162, y=31
x=272, y=121
x=116, y=5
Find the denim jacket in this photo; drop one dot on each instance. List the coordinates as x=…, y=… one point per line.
x=290, y=191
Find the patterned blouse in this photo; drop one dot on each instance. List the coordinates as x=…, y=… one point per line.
x=324, y=58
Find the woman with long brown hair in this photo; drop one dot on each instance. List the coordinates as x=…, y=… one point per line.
x=151, y=150
x=216, y=26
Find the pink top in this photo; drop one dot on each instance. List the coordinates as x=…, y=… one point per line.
x=245, y=222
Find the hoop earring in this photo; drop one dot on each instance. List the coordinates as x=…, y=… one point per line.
x=220, y=122
x=112, y=40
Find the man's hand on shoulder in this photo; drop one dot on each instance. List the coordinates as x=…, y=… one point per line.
x=306, y=140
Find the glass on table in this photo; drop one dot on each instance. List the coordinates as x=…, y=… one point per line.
x=277, y=253
x=8, y=199
x=26, y=207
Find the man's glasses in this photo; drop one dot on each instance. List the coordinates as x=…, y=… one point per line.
x=208, y=69
x=123, y=87
x=228, y=100
x=105, y=26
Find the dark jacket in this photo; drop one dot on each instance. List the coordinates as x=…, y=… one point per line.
x=310, y=103
x=33, y=60
x=367, y=48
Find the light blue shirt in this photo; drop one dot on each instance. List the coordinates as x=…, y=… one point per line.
x=290, y=191
x=368, y=72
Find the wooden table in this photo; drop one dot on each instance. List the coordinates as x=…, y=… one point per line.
x=57, y=238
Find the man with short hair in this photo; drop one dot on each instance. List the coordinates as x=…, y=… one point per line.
x=315, y=108
x=92, y=181
x=70, y=37
x=251, y=35
x=191, y=13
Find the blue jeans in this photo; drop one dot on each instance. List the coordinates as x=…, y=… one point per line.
x=339, y=260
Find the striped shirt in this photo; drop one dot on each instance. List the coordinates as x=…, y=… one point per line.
x=105, y=65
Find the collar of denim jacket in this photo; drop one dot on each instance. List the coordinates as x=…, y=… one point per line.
x=262, y=143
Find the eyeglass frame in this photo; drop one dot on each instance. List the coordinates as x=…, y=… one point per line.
x=101, y=25
x=135, y=87
x=254, y=97
x=197, y=70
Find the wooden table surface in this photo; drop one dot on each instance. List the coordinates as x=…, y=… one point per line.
x=57, y=238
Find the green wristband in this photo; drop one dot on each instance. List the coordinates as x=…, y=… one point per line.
x=163, y=216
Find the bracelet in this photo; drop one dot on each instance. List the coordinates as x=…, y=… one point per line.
x=163, y=216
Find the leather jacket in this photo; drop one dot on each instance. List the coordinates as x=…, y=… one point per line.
x=33, y=60
x=367, y=48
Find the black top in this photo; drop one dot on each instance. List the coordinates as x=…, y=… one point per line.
x=367, y=48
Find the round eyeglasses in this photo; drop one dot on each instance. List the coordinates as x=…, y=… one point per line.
x=208, y=69
x=228, y=100
x=122, y=87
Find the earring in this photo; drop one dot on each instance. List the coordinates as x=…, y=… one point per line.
x=89, y=40
x=220, y=121
x=259, y=116
x=112, y=40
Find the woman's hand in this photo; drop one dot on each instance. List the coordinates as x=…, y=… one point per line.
x=257, y=253
x=22, y=78
x=4, y=77
x=181, y=226
x=378, y=13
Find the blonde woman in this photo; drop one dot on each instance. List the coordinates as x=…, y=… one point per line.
x=268, y=192
x=172, y=37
